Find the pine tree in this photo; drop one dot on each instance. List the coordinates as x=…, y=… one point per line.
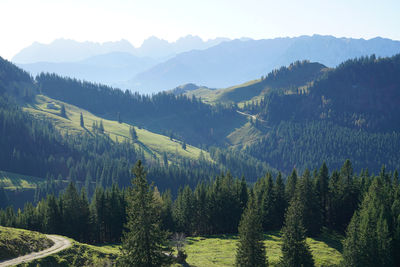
x=63, y=112
x=322, y=190
x=280, y=201
x=81, y=121
x=268, y=203
x=101, y=127
x=119, y=117
x=144, y=243
x=295, y=251
x=291, y=185
x=3, y=198
x=310, y=212
x=251, y=249
x=52, y=219
x=368, y=241
x=133, y=133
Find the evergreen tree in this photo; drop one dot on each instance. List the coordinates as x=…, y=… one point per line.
x=133, y=133
x=250, y=249
x=3, y=198
x=280, y=202
x=351, y=246
x=144, y=243
x=322, y=189
x=295, y=251
x=309, y=208
x=52, y=219
x=101, y=127
x=82, y=123
x=119, y=117
x=369, y=241
x=268, y=203
x=290, y=187
x=63, y=112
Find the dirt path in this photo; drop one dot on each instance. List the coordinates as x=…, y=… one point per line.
x=254, y=117
x=60, y=243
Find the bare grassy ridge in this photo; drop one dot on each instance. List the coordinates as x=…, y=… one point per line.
x=17, y=242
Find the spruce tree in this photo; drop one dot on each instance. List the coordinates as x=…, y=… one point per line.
x=295, y=251
x=369, y=243
x=280, y=201
x=251, y=249
x=101, y=127
x=322, y=190
x=144, y=243
x=82, y=123
x=133, y=133
x=63, y=112
x=291, y=185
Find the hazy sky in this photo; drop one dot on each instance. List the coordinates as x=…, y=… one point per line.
x=24, y=21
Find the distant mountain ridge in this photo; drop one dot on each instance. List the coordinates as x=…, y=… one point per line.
x=108, y=68
x=219, y=63
x=65, y=50
x=238, y=61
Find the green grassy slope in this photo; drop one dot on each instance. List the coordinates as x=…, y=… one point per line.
x=16, y=242
x=297, y=76
x=234, y=94
x=219, y=251
x=12, y=181
x=245, y=135
x=78, y=254
x=154, y=145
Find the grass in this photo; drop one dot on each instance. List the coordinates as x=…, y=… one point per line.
x=220, y=250
x=16, y=242
x=13, y=181
x=79, y=254
x=154, y=145
x=245, y=135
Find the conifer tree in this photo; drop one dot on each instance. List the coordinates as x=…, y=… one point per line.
x=133, y=133
x=82, y=123
x=63, y=113
x=322, y=190
x=291, y=185
x=52, y=218
x=280, y=201
x=101, y=127
x=144, y=243
x=295, y=251
x=310, y=209
x=268, y=204
x=368, y=241
x=251, y=249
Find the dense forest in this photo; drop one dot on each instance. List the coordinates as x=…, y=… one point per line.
x=347, y=112
x=364, y=207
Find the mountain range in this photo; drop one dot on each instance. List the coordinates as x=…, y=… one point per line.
x=159, y=65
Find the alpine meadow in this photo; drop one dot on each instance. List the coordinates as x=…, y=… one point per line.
x=200, y=133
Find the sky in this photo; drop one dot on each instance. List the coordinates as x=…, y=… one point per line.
x=23, y=22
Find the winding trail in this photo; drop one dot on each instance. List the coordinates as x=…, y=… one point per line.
x=60, y=243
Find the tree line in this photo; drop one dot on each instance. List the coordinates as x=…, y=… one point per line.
x=364, y=207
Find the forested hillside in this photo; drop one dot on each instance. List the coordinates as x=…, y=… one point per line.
x=348, y=112
x=34, y=145
x=182, y=117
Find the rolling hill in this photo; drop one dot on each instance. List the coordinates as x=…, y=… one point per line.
x=286, y=79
